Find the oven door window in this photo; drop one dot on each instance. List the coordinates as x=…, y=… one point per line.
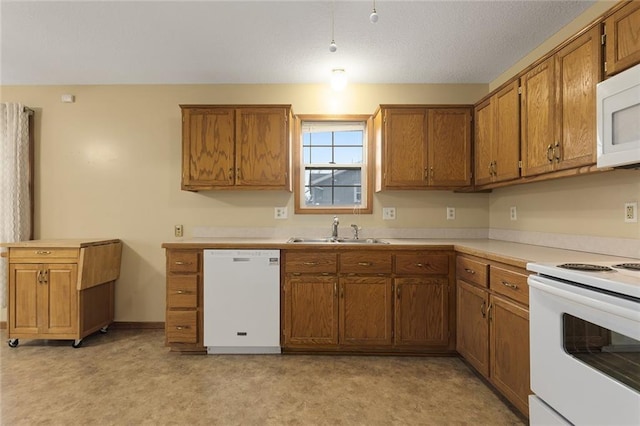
x=611, y=353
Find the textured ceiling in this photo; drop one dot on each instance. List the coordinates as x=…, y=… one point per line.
x=158, y=42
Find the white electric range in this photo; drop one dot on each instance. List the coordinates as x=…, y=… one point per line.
x=584, y=321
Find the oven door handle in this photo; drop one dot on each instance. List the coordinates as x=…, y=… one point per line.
x=577, y=295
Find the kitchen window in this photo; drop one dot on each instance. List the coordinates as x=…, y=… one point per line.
x=333, y=154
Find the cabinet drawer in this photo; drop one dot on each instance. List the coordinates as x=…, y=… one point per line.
x=182, y=291
x=366, y=263
x=182, y=327
x=472, y=271
x=40, y=255
x=422, y=264
x=311, y=262
x=509, y=283
x=183, y=260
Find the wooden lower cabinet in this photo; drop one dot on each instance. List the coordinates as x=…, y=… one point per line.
x=422, y=312
x=310, y=310
x=510, y=351
x=473, y=330
x=368, y=302
x=493, y=325
x=366, y=312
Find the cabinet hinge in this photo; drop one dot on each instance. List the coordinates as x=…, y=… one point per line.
x=519, y=90
x=520, y=164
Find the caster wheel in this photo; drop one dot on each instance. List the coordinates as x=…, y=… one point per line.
x=13, y=343
x=77, y=343
x=104, y=330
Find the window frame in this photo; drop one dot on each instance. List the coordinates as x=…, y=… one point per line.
x=367, y=165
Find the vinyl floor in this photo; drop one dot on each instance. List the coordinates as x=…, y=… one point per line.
x=128, y=377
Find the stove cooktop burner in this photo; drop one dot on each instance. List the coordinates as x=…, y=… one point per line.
x=629, y=266
x=585, y=267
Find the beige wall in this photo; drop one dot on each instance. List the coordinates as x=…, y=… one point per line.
x=108, y=165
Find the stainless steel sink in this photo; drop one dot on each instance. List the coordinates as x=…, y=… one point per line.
x=329, y=240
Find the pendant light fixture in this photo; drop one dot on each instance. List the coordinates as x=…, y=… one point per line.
x=374, y=15
x=332, y=46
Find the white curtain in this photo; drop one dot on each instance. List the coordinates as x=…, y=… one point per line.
x=15, y=203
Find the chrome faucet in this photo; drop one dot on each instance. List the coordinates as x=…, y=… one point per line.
x=334, y=227
x=356, y=229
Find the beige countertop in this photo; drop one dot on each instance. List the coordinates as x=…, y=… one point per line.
x=62, y=243
x=515, y=254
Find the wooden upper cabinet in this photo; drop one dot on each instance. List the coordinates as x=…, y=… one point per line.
x=449, y=146
x=405, y=148
x=558, y=107
x=235, y=147
x=622, y=47
x=537, y=118
x=497, y=136
x=578, y=71
x=420, y=147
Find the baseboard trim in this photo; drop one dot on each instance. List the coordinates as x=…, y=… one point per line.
x=121, y=325
x=135, y=325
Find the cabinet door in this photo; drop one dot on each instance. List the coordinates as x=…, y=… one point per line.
x=59, y=306
x=537, y=119
x=449, y=146
x=207, y=147
x=577, y=73
x=24, y=283
x=262, y=153
x=506, y=142
x=311, y=310
x=366, y=307
x=510, y=351
x=405, y=148
x=484, y=126
x=473, y=328
x=623, y=38
x=422, y=312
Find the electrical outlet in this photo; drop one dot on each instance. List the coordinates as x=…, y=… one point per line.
x=631, y=212
x=280, y=213
x=451, y=213
x=178, y=231
x=513, y=213
x=389, y=213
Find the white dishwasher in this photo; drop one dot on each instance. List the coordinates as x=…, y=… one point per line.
x=242, y=301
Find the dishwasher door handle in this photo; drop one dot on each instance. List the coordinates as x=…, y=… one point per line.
x=241, y=259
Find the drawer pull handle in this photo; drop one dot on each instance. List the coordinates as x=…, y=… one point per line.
x=365, y=263
x=310, y=263
x=483, y=308
x=469, y=271
x=507, y=284
x=182, y=292
x=45, y=252
x=182, y=327
x=422, y=265
x=179, y=262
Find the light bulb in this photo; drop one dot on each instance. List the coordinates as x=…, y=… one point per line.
x=373, y=17
x=338, y=79
x=332, y=46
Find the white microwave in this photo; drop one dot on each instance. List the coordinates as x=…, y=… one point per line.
x=618, y=120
